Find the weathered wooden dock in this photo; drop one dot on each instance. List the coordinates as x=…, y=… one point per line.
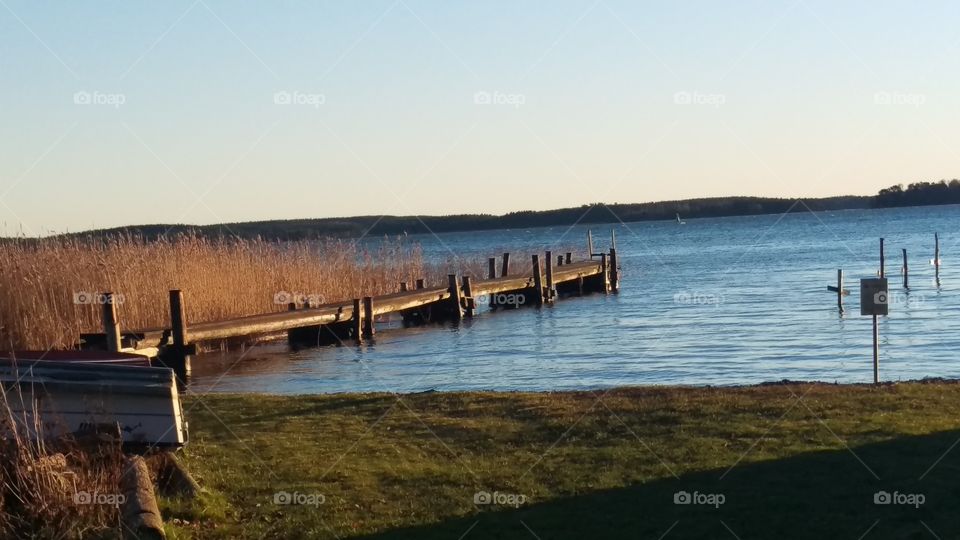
x=548, y=278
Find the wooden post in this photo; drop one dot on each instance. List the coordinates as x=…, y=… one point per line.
x=559, y=260
x=614, y=271
x=613, y=238
x=936, y=257
x=605, y=273
x=881, y=258
x=111, y=325
x=357, y=321
x=368, y=316
x=456, y=310
x=178, y=359
x=492, y=274
x=292, y=306
x=550, y=292
x=403, y=286
x=589, y=244
x=420, y=284
x=840, y=289
x=906, y=271
x=569, y=257
x=468, y=296
x=505, y=270
x=537, y=281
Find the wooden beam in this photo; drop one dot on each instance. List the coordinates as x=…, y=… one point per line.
x=468, y=297
x=357, y=321
x=882, y=273
x=111, y=324
x=614, y=270
x=906, y=270
x=505, y=271
x=456, y=310
x=178, y=319
x=550, y=291
x=604, y=274
x=492, y=274
x=537, y=281
x=368, y=316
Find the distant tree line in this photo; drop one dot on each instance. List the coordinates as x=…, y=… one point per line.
x=920, y=193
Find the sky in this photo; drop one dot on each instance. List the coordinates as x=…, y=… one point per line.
x=202, y=111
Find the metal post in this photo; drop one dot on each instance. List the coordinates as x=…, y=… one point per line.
x=876, y=352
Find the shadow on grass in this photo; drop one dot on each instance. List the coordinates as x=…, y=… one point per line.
x=827, y=494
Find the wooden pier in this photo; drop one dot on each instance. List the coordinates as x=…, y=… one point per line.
x=355, y=320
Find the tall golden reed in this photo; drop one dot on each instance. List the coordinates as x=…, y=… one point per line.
x=49, y=287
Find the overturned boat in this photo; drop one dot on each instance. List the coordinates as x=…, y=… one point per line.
x=79, y=394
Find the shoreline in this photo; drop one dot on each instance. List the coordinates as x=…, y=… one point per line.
x=189, y=394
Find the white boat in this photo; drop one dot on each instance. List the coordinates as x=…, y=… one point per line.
x=77, y=396
x=680, y=222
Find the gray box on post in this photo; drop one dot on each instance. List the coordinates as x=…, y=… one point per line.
x=873, y=296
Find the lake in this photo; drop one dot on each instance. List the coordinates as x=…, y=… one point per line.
x=715, y=301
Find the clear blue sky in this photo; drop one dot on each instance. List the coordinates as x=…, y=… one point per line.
x=117, y=113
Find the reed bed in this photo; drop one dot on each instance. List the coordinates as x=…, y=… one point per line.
x=56, y=487
x=49, y=288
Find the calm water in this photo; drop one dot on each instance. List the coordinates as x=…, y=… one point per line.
x=716, y=301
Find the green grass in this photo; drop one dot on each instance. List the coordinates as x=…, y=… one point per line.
x=792, y=461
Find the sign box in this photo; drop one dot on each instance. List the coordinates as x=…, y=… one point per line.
x=873, y=296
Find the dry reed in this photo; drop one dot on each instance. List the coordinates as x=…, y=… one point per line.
x=49, y=287
x=56, y=488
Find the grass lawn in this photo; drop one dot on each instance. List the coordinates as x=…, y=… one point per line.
x=773, y=461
